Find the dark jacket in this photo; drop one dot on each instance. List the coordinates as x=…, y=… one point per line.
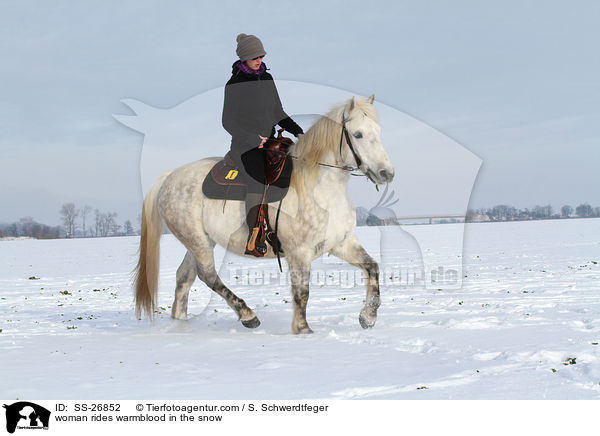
x=252, y=107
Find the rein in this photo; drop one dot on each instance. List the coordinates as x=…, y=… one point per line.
x=344, y=168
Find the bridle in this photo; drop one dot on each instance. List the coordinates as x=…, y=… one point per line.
x=349, y=142
x=357, y=158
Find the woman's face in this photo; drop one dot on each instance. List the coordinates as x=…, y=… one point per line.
x=254, y=64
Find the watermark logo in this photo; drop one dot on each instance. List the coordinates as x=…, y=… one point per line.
x=408, y=258
x=26, y=416
x=434, y=176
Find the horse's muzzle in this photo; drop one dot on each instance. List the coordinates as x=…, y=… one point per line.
x=386, y=176
x=380, y=177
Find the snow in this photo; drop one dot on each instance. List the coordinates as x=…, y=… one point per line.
x=524, y=325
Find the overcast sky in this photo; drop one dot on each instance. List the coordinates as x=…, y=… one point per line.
x=515, y=82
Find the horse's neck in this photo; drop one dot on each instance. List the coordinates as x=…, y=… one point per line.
x=332, y=183
x=333, y=176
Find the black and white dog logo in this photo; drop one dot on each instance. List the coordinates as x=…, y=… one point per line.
x=26, y=415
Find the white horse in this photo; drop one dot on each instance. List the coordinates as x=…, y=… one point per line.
x=317, y=217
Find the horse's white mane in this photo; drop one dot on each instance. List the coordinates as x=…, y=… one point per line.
x=322, y=137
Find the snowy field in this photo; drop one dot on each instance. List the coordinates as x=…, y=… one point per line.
x=525, y=325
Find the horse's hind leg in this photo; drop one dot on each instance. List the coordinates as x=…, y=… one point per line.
x=352, y=252
x=205, y=266
x=247, y=317
x=186, y=274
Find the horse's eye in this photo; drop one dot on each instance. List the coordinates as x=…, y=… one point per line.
x=357, y=135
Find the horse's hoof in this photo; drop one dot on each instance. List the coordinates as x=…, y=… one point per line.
x=251, y=323
x=179, y=316
x=303, y=331
x=366, y=322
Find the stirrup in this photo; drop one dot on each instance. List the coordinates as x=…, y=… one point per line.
x=255, y=247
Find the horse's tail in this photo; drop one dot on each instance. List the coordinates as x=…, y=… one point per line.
x=147, y=269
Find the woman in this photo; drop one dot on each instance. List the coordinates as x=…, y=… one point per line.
x=251, y=110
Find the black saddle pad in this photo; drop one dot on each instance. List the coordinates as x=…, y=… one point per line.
x=275, y=192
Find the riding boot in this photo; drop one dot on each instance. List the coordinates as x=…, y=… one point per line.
x=254, y=245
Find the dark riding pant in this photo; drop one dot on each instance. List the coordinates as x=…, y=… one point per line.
x=252, y=165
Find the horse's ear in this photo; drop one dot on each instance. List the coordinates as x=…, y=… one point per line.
x=371, y=98
x=351, y=104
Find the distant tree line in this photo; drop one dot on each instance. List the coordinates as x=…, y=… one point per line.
x=509, y=213
x=78, y=222
x=84, y=222
x=28, y=227
x=100, y=224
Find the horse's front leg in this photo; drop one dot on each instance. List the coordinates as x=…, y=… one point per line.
x=300, y=278
x=352, y=252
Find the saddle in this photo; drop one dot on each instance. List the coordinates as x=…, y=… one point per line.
x=225, y=181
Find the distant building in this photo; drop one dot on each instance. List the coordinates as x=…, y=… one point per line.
x=477, y=218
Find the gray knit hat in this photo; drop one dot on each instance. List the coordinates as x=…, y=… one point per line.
x=249, y=47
